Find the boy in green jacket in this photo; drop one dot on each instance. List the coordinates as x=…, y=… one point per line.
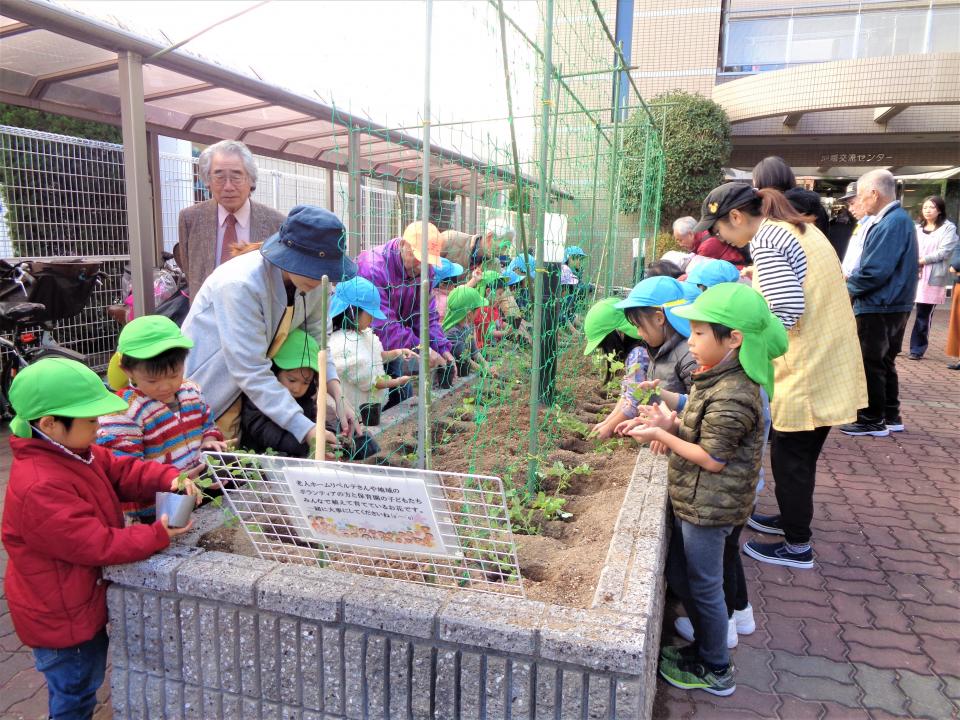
x=716, y=447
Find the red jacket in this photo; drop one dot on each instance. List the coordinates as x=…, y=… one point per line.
x=61, y=523
x=713, y=247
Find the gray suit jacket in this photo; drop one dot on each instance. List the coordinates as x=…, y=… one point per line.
x=198, y=237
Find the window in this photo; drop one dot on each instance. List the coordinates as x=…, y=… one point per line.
x=754, y=45
x=892, y=33
x=945, y=30
x=821, y=38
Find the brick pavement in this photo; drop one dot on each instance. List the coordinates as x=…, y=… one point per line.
x=873, y=631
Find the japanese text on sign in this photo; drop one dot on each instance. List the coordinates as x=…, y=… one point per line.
x=393, y=513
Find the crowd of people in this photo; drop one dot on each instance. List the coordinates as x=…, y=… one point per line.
x=758, y=338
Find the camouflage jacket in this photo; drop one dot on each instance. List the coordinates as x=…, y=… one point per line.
x=724, y=416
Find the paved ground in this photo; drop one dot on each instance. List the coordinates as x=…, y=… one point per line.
x=874, y=630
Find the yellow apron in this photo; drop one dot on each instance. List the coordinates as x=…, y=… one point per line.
x=820, y=381
x=229, y=421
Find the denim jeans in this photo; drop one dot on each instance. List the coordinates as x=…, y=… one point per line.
x=695, y=573
x=920, y=335
x=73, y=675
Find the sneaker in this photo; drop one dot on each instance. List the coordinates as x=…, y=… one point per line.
x=694, y=675
x=684, y=629
x=743, y=620
x=914, y=356
x=767, y=524
x=954, y=366
x=675, y=653
x=777, y=554
x=895, y=425
x=861, y=428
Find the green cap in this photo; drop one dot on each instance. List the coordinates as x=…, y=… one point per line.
x=601, y=320
x=148, y=336
x=58, y=386
x=742, y=308
x=488, y=279
x=460, y=301
x=299, y=350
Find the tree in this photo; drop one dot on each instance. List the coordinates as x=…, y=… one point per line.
x=696, y=146
x=22, y=117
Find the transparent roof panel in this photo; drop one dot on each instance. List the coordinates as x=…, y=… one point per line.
x=40, y=52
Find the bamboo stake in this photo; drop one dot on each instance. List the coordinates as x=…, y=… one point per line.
x=321, y=436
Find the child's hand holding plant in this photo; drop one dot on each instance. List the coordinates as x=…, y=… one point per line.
x=215, y=445
x=184, y=482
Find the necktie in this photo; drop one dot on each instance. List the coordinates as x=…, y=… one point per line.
x=229, y=238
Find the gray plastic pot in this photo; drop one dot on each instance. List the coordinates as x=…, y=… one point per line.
x=176, y=507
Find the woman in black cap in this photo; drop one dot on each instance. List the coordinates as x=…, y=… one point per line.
x=820, y=381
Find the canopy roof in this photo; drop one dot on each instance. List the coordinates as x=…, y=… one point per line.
x=59, y=61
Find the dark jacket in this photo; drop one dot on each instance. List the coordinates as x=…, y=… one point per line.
x=724, y=416
x=61, y=524
x=258, y=432
x=886, y=281
x=808, y=203
x=955, y=263
x=672, y=364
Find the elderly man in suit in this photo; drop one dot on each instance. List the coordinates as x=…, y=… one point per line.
x=210, y=232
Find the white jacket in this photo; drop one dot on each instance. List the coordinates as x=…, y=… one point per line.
x=357, y=356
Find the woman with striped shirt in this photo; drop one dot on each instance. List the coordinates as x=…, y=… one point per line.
x=820, y=382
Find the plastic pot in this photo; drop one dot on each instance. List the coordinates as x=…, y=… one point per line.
x=176, y=507
x=370, y=414
x=446, y=376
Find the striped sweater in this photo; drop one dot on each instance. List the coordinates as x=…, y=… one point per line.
x=152, y=431
x=780, y=265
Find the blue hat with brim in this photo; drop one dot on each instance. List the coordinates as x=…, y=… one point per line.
x=665, y=293
x=521, y=265
x=713, y=272
x=311, y=243
x=356, y=292
x=573, y=251
x=511, y=277
x=447, y=270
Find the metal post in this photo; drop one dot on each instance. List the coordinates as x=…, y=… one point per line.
x=532, y=482
x=641, y=263
x=593, y=209
x=471, y=220
x=156, y=193
x=611, y=241
x=331, y=191
x=423, y=407
x=355, y=222
x=139, y=214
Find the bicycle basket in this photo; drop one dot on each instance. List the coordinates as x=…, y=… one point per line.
x=63, y=287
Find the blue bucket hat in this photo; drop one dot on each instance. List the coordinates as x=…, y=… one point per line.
x=665, y=293
x=573, y=251
x=690, y=290
x=446, y=271
x=357, y=292
x=713, y=272
x=312, y=243
x=511, y=277
x=520, y=265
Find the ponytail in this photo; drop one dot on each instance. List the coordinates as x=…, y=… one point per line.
x=775, y=206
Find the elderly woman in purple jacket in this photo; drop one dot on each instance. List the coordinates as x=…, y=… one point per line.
x=394, y=268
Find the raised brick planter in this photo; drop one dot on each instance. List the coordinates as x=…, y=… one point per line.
x=200, y=634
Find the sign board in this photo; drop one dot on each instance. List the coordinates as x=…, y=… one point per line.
x=394, y=513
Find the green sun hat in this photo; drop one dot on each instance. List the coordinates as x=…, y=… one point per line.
x=143, y=338
x=299, y=350
x=601, y=320
x=58, y=386
x=488, y=279
x=742, y=308
x=460, y=301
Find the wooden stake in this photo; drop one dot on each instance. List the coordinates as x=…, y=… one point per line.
x=321, y=451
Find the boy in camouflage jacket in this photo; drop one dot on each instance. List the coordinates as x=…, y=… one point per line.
x=716, y=449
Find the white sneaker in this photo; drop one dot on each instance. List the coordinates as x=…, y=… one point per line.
x=685, y=630
x=744, y=620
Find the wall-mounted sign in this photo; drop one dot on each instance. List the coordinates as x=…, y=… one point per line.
x=855, y=158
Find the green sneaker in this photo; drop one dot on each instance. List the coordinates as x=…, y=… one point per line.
x=694, y=675
x=675, y=653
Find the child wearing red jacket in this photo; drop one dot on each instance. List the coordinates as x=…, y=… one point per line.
x=62, y=522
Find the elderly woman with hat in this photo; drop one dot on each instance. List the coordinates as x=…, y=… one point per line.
x=247, y=307
x=820, y=380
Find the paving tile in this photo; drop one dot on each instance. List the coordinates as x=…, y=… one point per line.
x=784, y=632
x=888, y=614
x=850, y=609
x=797, y=709
x=753, y=669
x=872, y=637
x=818, y=688
x=926, y=698
x=938, y=628
x=824, y=640
x=945, y=654
x=890, y=658
x=880, y=689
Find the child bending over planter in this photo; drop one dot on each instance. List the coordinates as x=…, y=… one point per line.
x=650, y=308
x=166, y=418
x=459, y=326
x=357, y=352
x=712, y=473
x=62, y=522
x=295, y=365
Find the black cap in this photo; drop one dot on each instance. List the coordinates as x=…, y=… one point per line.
x=721, y=201
x=851, y=191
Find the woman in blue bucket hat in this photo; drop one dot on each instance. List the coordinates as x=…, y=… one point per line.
x=649, y=308
x=247, y=307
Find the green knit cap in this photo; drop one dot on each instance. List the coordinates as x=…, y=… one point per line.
x=742, y=308
x=601, y=320
x=460, y=301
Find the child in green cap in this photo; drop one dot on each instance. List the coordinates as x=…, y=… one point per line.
x=459, y=325
x=166, y=418
x=716, y=447
x=62, y=522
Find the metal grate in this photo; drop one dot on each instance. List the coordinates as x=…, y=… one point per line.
x=479, y=551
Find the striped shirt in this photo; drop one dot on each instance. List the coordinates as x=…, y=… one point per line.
x=780, y=266
x=150, y=430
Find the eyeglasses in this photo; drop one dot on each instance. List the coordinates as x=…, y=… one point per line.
x=236, y=177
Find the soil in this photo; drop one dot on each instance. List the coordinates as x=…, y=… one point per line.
x=562, y=564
